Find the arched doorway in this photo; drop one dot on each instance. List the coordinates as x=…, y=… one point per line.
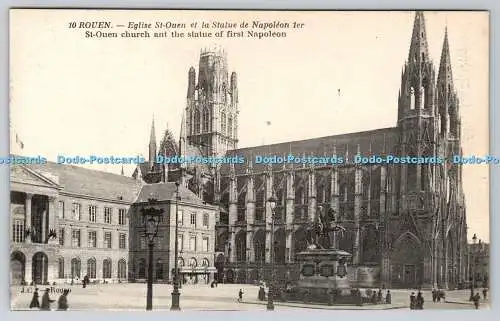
x=17, y=268
x=406, y=262
x=76, y=268
x=40, y=268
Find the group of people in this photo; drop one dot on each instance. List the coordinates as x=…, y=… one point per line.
x=62, y=302
x=378, y=298
x=416, y=302
x=437, y=295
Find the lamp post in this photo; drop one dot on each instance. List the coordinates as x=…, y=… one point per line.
x=175, y=293
x=270, y=300
x=152, y=217
x=473, y=267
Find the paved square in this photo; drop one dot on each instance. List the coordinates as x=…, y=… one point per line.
x=202, y=297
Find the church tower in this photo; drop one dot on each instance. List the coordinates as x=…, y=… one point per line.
x=212, y=105
x=416, y=121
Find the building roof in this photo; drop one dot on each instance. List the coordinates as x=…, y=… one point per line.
x=93, y=183
x=373, y=142
x=166, y=192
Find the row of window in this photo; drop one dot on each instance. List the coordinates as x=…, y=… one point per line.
x=192, y=245
x=107, y=271
x=193, y=219
x=92, y=213
x=76, y=239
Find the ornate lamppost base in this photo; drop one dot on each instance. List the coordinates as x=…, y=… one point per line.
x=175, y=301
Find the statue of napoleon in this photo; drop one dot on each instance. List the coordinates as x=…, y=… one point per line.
x=322, y=231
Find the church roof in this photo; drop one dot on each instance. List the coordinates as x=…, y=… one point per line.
x=166, y=192
x=373, y=142
x=90, y=182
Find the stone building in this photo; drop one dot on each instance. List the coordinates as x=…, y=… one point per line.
x=68, y=222
x=405, y=223
x=196, y=235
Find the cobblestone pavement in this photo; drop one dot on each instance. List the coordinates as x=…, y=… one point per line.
x=202, y=297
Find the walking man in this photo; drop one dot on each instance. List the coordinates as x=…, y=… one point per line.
x=240, y=296
x=46, y=301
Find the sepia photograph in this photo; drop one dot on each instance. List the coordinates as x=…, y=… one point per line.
x=173, y=160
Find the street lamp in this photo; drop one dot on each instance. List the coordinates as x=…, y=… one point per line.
x=176, y=294
x=272, y=203
x=473, y=267
x=151, y=217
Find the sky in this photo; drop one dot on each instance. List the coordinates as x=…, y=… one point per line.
x=72, y=95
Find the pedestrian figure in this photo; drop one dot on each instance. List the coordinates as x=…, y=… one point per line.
x=374, y=297
x=379, y=296
x=412, y=301
x=34, y=301
x=86, y=281
x=46, y=301
x=62, y=303
x=240, y=296
x=388, y=297
x=485, y=294
x=262, y=294
x=476, y=299
x=434, y=295
x=419, y=301
x=439, y=295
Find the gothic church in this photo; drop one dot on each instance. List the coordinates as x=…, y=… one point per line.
x=405, y=224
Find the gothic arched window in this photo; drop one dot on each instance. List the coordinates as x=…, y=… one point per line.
x=230, y=127
x=412, y=98
x=223, y=122
x=206, y=120
x=196, y=122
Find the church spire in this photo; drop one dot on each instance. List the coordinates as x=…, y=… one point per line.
x=445, y=76
x=152, y=143
x=419, y=51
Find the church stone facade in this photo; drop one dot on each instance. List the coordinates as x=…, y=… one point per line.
x=405, y=223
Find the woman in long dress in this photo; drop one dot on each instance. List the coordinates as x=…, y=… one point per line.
x=34, y=301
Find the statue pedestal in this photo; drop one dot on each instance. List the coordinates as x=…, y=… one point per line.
x=323, y=277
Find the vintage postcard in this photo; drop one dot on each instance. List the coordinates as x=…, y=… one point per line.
x=249, y=160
